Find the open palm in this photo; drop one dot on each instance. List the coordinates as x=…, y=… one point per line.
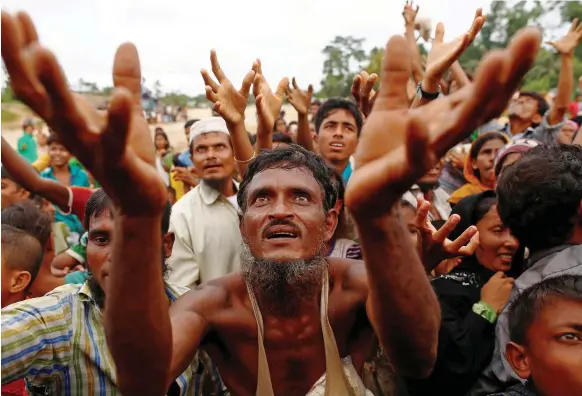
x=299, y=99
x=117, y=142
x=567, y=44
x=387, y=164
x=442, y=55
x=273, y=101
x=229, y=102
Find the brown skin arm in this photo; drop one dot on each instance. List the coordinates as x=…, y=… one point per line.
x=401, y=305
x=304, y=138
x=565, y=88
x=459, y=75
x=25, y=175
x=190, y=324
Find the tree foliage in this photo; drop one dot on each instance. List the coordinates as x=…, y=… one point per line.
x=504, y=18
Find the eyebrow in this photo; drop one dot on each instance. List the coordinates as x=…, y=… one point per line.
x=268, y=190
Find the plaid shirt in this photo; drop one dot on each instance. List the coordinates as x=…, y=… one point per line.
x=57, y=343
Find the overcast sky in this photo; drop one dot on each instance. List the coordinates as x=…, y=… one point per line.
x=174, y=38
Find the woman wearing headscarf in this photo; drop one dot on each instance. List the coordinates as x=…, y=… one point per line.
x=479, y=165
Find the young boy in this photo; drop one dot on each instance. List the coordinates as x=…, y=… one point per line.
x=26, y=143
x=67, y=174
x=12, y=192
x=545, y=329
x=21, y=257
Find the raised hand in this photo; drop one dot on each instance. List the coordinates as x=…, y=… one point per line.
x=300, y=100
x=436, y=246
x=363, y=91
x=229, y=102
x=567, y=44
x=115, y=146
x=410, y=13
x=272, y=101
x=387, y=164
x=442, y=55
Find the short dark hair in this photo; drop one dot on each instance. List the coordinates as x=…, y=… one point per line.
x=316, y=102
x=291, y=157
x=28, y=217
x=484, y=138
x=100, y=201
x=540, y=194
x=543, y=105
x=334, y=104
x=189, y=123
x=525, y=308
x=280, y=137
x=23, y=251
x=53, y=139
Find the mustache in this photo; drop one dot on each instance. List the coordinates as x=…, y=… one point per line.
x=279, y=222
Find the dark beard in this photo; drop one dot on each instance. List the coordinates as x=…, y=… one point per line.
x=282, y=286
x=96, y=292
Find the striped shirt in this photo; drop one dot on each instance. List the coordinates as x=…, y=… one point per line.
x=57, y=343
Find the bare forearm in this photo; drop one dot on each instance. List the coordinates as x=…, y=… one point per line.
x=242, y=147
x=417, y=72
x=304, y=138
x=264, y=136
x=404, y=309
x=459, y=74
x=565, y=88
x=25, y=175
x=137, y=318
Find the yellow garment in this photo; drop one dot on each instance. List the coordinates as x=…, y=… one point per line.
x=42, y=162
x=177, y=185
x=474, y=185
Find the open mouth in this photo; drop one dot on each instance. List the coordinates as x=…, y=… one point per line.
x=212, y=166
x=337, y=145
x=281, y=232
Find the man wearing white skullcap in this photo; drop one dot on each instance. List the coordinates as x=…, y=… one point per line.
x=205, y=221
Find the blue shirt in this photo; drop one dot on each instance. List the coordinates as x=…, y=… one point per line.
x=347, y=173
x=78, y=178
x=185, y=159
x=27, y=147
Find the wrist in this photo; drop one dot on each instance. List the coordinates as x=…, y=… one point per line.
x=430, y=84
x=485, y=310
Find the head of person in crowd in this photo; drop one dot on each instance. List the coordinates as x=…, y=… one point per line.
x=540, y=197
x=12, y=192
x=545, y=332
x=498, y=249
x=408, y=213
x=28, y=126
x=280, y=126
x=211, y=150
x=338, y=124
x=26, y=216
x=431, y=179
x=161, y=140
x=292, y=129
x=314, y=107
x=21, y=257
x=529, y=106
x=312, y=130
x=568, y=132
x=45, y=206
x=479, y=169
x=99, y=223
x=288, y=217
x=345, y=226
x=58, y=153
x=281, y=139
x=511, y=152
x=187, y=127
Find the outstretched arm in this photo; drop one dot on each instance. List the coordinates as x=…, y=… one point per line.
x=301, y=100
x=565, y=46
x=25, y=175
x=401, y=304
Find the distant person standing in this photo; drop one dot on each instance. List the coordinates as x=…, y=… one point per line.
x=26, y=143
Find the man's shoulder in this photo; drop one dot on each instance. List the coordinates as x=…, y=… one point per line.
x=215, y=294
x=55, y=300
x=184, y=204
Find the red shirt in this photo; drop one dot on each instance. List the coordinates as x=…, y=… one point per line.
x=80, y=197
x=16, y=388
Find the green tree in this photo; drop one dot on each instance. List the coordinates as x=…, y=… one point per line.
x=344, y=58
x=7, y=94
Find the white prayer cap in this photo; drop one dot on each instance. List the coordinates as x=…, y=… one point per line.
x=206, y=125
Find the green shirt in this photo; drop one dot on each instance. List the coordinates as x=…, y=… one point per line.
x=27, y=147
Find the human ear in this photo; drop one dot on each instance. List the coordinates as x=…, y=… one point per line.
x=517, y=357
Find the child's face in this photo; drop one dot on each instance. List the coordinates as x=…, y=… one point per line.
x=58, y=154
x=552, y=358
x=12, y=193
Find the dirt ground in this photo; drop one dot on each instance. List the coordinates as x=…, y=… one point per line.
x=175, y=130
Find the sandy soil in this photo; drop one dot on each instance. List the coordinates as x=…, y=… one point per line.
x=175, y=130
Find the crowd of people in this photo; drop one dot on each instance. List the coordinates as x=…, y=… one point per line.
x=421, y=238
